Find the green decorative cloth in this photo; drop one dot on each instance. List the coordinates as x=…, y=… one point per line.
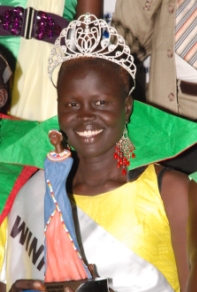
x=26, y=142
x=8, y=175
x=155, y=134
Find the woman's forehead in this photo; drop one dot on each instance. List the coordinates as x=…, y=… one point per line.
x=111, y=75
x=100, y=69
x=95, y=76
x=88, y=62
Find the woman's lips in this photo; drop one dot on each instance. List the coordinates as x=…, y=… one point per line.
x=89, y=133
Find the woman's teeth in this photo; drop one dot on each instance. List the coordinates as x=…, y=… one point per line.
x=89, y=133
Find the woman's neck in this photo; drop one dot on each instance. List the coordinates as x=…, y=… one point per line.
x=97, y=175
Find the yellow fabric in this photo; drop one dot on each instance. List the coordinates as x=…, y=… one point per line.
x=3, y=237
x=134, y=214
x=33, y=95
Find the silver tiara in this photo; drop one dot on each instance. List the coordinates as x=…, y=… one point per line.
x=85, y=37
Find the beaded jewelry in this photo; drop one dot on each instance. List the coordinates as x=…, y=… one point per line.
x=30, y=23
x=124, y=151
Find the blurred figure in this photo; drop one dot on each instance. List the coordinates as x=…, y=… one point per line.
x=167, y=31
x=32, y=96
x=5, y=74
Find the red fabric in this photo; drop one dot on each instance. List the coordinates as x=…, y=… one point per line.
x=25, y=174
x=62, y=261
x=3, y=116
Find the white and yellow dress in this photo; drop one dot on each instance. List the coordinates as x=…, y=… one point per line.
x=124, y=232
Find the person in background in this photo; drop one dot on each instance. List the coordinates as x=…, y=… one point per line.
x=5, y=74
x=32, y=96
x=167, y=31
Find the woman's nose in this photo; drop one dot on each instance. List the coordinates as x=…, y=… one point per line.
x=86, y=113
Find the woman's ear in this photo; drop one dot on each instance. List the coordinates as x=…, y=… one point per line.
x=3, y=97
x=128, y=107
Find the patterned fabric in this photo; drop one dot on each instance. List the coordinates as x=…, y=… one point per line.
x=186, y=31
x=62, y=264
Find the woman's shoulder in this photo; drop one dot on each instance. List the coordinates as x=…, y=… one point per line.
x=174, y=186
x=171, y=179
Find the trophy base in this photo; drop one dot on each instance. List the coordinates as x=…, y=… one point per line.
x=91, y=285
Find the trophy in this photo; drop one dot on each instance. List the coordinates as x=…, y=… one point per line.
x=64, y=266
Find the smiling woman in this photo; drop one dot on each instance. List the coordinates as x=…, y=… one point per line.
x=93, y=105
x=133, y=226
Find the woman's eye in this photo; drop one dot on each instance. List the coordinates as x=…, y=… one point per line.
x=73, y=104
x=101, y=102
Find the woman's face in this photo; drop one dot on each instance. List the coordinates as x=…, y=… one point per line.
x=91, y=109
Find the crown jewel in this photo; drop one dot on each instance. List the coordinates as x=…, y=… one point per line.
x=84, y=38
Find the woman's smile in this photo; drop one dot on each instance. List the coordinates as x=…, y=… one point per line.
x=89, y=136
x=89, y=133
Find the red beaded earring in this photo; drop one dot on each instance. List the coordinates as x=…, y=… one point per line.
x=124, y=151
